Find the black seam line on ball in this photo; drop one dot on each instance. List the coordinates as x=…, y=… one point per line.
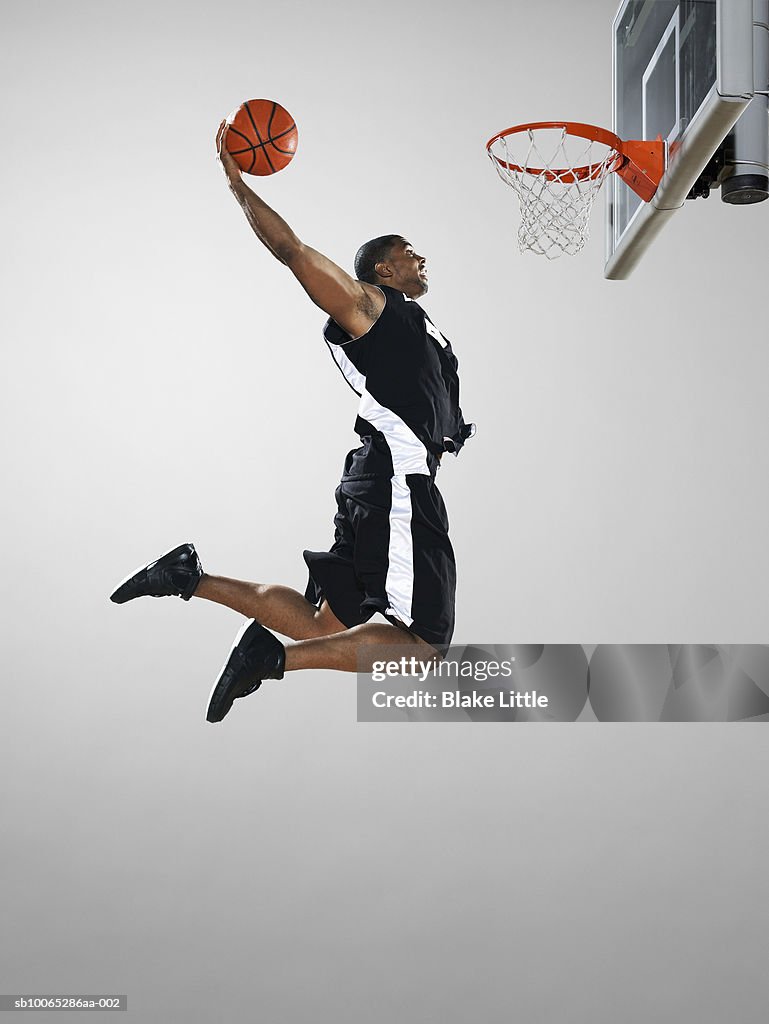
x=261, y=145
x=237, y=131
x=239, y=151
x=261, y=140
x=280, y=135
x=245, y=138
x=288, y=152
x=272, y=138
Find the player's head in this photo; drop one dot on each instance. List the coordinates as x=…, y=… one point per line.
x=391, y=260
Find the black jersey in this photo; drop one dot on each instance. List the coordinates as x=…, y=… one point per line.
x=405, y=373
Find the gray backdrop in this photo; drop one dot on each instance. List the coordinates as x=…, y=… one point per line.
x=164, y=380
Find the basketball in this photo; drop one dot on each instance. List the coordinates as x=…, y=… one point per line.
x=261, y=136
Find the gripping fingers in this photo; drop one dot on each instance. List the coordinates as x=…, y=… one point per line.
x=228, y=162
x=220, y=138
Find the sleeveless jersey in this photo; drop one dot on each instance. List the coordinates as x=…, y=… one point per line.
x=405, y=373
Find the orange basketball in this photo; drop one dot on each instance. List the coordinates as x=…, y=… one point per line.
x=262, y=136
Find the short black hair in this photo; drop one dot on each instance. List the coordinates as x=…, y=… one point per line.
x=371, y=253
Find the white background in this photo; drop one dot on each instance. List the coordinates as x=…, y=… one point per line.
x=165, y=380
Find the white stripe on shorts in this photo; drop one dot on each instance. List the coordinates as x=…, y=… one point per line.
x=399, y=584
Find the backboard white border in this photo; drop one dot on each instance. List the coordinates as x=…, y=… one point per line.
x=717, y=114
x=673, y=27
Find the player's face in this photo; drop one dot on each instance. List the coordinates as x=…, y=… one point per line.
x=409, y=269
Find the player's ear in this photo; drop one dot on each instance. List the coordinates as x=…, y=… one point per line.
x=383, y=269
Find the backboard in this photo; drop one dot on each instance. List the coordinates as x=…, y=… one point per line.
x=683, y=71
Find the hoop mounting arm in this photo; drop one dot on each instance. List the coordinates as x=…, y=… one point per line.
x=642, y=166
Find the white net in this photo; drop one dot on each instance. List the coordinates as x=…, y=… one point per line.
x=557, y=177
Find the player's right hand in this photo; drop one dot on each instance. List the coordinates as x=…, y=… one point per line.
x=228, y=162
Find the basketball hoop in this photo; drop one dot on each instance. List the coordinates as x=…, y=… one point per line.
x=557, y=169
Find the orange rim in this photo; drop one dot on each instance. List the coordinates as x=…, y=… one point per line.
x=568, y=174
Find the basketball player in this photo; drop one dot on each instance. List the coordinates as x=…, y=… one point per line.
x=391, y=552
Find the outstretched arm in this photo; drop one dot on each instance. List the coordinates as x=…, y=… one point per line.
x=353, y=304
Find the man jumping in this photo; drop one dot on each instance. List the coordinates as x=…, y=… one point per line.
x=391, y=552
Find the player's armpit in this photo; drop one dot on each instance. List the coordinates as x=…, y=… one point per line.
x=353, y=304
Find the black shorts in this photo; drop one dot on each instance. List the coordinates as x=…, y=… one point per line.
x=391, y=552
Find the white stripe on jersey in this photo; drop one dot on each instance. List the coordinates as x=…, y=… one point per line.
x=409, y=455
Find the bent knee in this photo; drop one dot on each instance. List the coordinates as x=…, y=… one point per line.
x=325, y=623
x=436, y=654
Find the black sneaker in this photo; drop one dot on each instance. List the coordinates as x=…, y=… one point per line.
x=256, y=655
x=175, y=574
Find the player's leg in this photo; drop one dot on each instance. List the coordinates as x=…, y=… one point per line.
x=258, y=655
x=355, y=649
x=277, y=607
x=403, y=569
x=179, y=573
